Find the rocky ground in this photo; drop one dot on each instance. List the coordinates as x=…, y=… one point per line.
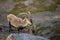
x=24, y=36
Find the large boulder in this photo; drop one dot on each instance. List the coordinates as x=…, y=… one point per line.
x=24, y=36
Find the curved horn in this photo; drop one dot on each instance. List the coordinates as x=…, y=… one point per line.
x=29, y=14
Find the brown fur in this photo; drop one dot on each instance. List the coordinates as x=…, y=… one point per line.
x=19, y=22
x=16, y=21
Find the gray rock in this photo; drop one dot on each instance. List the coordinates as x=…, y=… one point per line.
x=24, y=36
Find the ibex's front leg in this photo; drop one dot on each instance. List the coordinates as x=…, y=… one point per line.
x=10, y=27
x=30, y=30
x=31, y=21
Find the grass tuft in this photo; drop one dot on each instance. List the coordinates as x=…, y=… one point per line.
x=52, y=7
x=18, y=0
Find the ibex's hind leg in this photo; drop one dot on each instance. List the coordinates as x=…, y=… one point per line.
x=10, y=27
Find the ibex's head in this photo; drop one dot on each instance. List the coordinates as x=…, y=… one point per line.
x=26, y=22
x=26, y=17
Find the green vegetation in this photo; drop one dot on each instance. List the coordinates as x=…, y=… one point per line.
x=23, y=8
x=55, y=38
x=39, y=9
x=3, y=0
x=18, y=0
x=39, y=28
x=52, y=7
x=18, y=8
x=41, y=34
x=57, y=32
x=58, y=1
x=38, y=24
x=39, y=0
x=55, y=28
